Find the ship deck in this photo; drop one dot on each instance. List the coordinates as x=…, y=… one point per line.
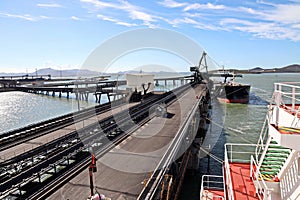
x=243, y=186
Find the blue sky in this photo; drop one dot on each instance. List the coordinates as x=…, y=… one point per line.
x=62, y=33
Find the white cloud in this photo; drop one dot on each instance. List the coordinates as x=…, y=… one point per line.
x=263, y=19
x=263, y=29
x=176, y=22
x=24, y=17
x=136, y=13
x=277, y=21
x=101, y=4
x=194, y=23
x=296, y=26
x=52, y=5
x=288, y=13
x=125, y=24
x=209, y=6
x=133, y=12
x=248, y=11
x=172, y=4
x=105, y=18
x=45, y=17
x=75, y=18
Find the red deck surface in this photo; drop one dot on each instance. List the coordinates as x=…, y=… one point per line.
x=243, y=187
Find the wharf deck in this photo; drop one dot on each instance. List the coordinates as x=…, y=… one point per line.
x=31, y=144
x=123, y=171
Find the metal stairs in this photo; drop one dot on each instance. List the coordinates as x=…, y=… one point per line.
x=272, y=162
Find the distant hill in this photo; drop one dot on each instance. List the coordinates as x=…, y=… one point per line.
x=291, y=68
x=57, y=73
x=256, y=69
x=66, y=73
x=294, y=68
x=89, y=73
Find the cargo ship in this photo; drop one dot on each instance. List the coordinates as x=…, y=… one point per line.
x=231, y=91
x=269, y=169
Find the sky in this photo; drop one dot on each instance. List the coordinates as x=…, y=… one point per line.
x=61, y=34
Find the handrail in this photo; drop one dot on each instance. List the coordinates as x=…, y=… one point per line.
x=260, y=147
x=261, y=187
x=264, y=138
x=233, y=154
x=289, y=91
x=290, y=179
x=289, y=84
x=229, y=187
x=208, y=181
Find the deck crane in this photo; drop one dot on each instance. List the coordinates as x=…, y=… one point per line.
x=198, y=75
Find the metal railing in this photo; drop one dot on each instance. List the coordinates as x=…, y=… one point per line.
x=239, y=152
x=236, y=153
x=263, y=140
x=291, y=179
x=212, y=182
x=262, y=190
x=229, y=186
x=287, y=93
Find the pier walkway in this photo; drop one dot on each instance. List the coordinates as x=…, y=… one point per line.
x=124, y=171
x=140, y=149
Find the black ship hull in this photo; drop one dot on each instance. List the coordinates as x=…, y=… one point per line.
x=233, y=93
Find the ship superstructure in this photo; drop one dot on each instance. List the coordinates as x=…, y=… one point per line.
x=270, y=169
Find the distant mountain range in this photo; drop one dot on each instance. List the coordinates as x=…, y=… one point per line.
x=57, y=73
x=295, y=68
x=86, y=72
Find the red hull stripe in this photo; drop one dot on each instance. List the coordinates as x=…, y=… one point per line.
x=245, y=100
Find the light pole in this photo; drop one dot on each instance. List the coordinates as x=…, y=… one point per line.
x=117, y=84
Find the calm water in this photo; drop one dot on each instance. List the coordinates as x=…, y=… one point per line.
x=19, y=109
